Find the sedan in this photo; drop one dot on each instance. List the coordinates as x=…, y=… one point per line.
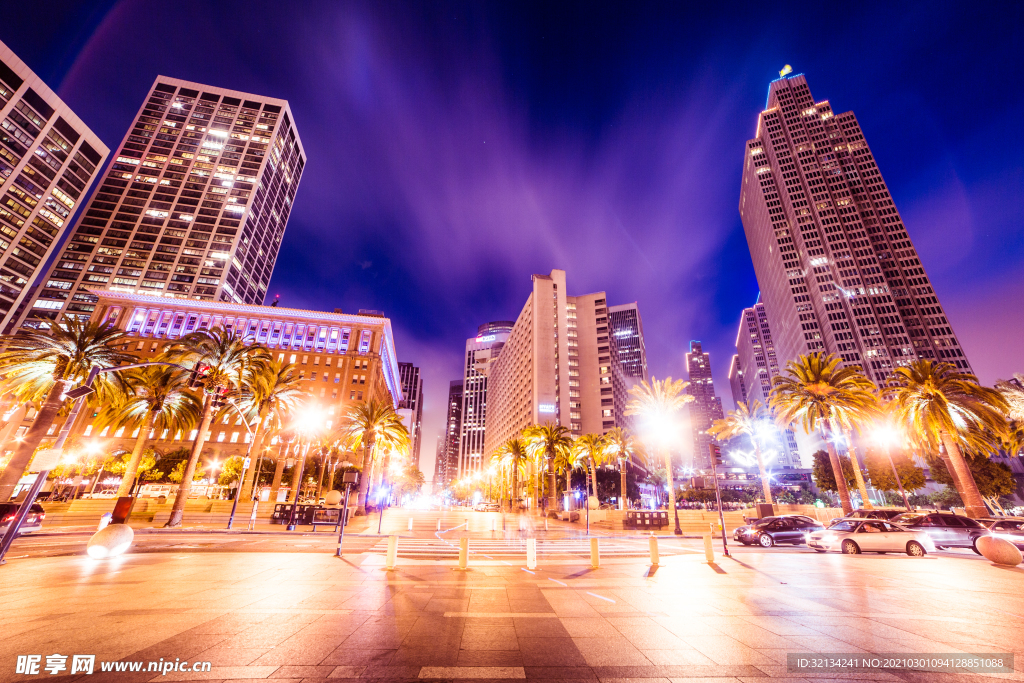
x=854, y=536
x=1009, y=528
x=946, y=529
x=33, y=522
x=770, y=531
x=874, y=513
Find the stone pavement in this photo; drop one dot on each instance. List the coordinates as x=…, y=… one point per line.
x=308, y=617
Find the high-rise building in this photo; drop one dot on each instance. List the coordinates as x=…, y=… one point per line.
x=481, y=352
x=194, y=205
x=753, y=367
x=628, y=334
x=558, y=365
x=836, y=268
x=412, y=389
x=447, y=468
x=706, y=406
x=48, y=160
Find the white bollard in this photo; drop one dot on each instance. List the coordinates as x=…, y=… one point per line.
x=494, y=524
x=392, y=553
x=438, y=523
x=531, y=553
x=545, y=524
x=654, y=550
x=410, y=524
x=709, y=548
x=463, y=553
x=595, y=554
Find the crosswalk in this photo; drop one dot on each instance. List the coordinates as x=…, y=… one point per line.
x=508, y=547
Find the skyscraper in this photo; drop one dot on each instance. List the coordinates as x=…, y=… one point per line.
x=628, y=334
x=447, y=469
x=412, y=390
x=48, y=160
x=836, y=268
x=752, y=370
x=706, y=406
x=194, y=206
x=481, y=352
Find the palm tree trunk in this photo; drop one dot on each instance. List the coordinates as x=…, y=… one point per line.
x=672, y=514
x=364, y=476
x=855, y=461
x=320, y=479
x=514, y=493
x=275, y=483
x=26, y=449
x=969, y=494
x=131, y=470
x=552, y=485
x=766, y=486
x=837, y=471
x=622, y=484
x=293, y=495
x=245, y=490
x=178, y=509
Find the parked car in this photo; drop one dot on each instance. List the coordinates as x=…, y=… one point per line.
x=769, y=531
x=1010, y=528
x=876, y=513
x=853, y=536
x=33, y=522
x=946, y=529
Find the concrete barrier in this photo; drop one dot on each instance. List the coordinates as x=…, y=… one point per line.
x=654, y=550
x=595, y=554
x=531, y=553
x=392, y=558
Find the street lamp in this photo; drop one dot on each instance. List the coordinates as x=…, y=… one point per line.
x=245, y=462
x=308, y=423
x=662, y=428
x=886, y=436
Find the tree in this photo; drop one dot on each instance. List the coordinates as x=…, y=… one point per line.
x=155, y=397
x=882, y=477
x=823, y=471
x=816, y=393
x=177, y=475
x=368, y=425
x=942, y=405
x=226, y=358
x=231, y=471
x=512, y=455
x=42, y=365
x=548, y=441
x=657, y=404
x=992, y=478
x=625, y=449
x=591, y=450
x=753, y=423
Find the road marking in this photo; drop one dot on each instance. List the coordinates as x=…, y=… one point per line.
x=557, y=581
x=600, y=596
x=503, y=615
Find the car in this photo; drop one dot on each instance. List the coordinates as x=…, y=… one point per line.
x=875, y=513
x=770, y=531
x=1009, y=528
x=33, y=522
x=946, y=529
x=854, y=535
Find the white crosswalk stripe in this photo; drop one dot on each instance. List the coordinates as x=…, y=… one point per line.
x=413, y=547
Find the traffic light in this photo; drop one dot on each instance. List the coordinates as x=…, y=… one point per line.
x=219, y=398
x=716, y=454
x=196, y=377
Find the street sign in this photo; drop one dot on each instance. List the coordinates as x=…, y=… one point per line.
x=247, y=461
x=350, y=478
x=46, y=459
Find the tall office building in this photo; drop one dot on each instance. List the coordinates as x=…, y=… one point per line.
x=706, y=406
x=194, y=205
x=753, y=367
x=558, y=365
x=48, y=160
x=447, y=468
x=481, y=352
x=836, y=268
x=412, y=390
x=628, y=334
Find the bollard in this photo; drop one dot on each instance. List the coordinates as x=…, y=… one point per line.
x=463, y=553
x=545, y=524
x=709, y=549
x=494, y=524
x=531, y=553
x=438, y=523
x=654, y=550
x=392, y=553
x=595, y=554
x=410, y=524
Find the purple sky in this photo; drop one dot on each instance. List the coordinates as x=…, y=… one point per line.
x=456, y=149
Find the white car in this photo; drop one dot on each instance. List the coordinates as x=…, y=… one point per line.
x=853, y=536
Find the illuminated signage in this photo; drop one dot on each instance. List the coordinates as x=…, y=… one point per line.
x=547, y=407
x=489, y=337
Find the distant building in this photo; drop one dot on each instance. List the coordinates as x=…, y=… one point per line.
x=48, y=161
x=447, y=466
x=412, y=390
x=706, y=406
x=481, y=352
x=628, y=334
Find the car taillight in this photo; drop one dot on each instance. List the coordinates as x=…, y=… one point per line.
x=42, y=516
x=6, y=519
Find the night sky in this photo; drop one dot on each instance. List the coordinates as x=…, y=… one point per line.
x=454, y=149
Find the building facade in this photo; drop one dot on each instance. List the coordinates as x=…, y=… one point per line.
x=447, y=467
x=706, y=406
x=558, y=366
x=481, y=352
x=48, y=161
x=194, y=205
x=753, y=368
x=627, y=330
x=412, y=390
x=836, y=268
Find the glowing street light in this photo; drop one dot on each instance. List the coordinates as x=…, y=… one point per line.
x=886, y=436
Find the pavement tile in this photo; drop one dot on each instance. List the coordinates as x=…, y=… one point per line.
x=297, y=671
x=344, y=656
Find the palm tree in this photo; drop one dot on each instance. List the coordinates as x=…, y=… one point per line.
x=42, y=365
x=567, y=463
x=815, y=392
x=752, y=422
x=625, y=449
x=274, y=391
x=943, y=405
x=591, y=449
x=657, y=404
x=156, y=399
x=513, y=455
x=227, y=358
x=366, y=423
x=548, y=441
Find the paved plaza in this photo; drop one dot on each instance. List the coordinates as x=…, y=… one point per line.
x=310, y=616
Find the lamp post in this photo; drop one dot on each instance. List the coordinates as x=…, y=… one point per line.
x=307, y=425
x=245, y=463
x=885, y=435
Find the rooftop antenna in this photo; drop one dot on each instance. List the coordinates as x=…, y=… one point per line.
x=785, y=70
x=276, y=301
